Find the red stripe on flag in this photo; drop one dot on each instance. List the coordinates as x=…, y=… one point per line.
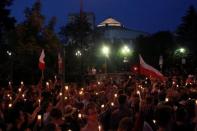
x=149, y=71
x=41, y=63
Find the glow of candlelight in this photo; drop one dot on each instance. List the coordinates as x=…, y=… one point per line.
x=166, y=100
x=102, y=106
x=80, y=92
x=65, y=98
x=47, y=83
x=66, y=87
x=99, y=82
x=196, y=102
x=112, y=104
x=60, y=94
x=19, y=89
x=39, y=117
x=99, y=127
x=154, y=121
x=23, y=95
x=96, y=93
x=39, y=101
x=9, y=83
x=79, y=115
x=22, y=83
x=115, y=95
x=138, y=92
x=10, y=105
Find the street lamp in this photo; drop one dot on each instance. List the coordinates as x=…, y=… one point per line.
x=125, y=51
x=11, y=64
x=181, y=52
x=106, y=51
x=78, y=53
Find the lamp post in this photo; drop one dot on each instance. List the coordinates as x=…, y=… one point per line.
x=105, y=52
x=125, y=51
x=78, y=55
x=11, y=65
x=182, y=53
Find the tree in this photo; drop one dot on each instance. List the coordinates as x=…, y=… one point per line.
x=78, y=35
x=187, y=30
x=161, y=43
x=32, y=35
x=6, y=21
x=7, y=25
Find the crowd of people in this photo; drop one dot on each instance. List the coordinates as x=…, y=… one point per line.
x=131, y=103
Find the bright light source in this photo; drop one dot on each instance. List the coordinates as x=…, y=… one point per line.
x=78, y=53
x=166, y=100
x=125, y=50
x=66, y=87
x=182, y=50
x=106, y=51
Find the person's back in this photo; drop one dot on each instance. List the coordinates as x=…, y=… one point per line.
x=121, y=112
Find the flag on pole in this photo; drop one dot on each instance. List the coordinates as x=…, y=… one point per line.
x=149, y=71
x=41, y=64
x=60, y=63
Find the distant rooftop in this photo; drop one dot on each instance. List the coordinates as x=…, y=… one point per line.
x=110, y=22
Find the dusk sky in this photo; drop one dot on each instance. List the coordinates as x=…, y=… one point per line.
x=144, y=15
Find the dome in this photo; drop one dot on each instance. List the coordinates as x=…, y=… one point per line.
x=110, y=22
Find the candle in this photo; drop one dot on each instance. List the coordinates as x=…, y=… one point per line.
x=23, y=95
x=39, y=117
x=19, y=89
x=154, y=121
x=79, y=115
x=10, y=105
x=10, y=83
x=65, y=98
x=102, y=106
x=99, y=127
x=112, y=104
x=115, y=95
x=99, y=82
x=66, y=87
x=22, y=83
x=80, y=92
x=166, y=100
x=39, y=101
x=47, y=84
x=60, y=94
x=138, y=92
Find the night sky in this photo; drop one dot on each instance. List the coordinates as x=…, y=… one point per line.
x=144, y=15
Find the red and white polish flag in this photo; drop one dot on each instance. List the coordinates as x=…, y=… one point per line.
x=149, y=71
x=41, y=64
